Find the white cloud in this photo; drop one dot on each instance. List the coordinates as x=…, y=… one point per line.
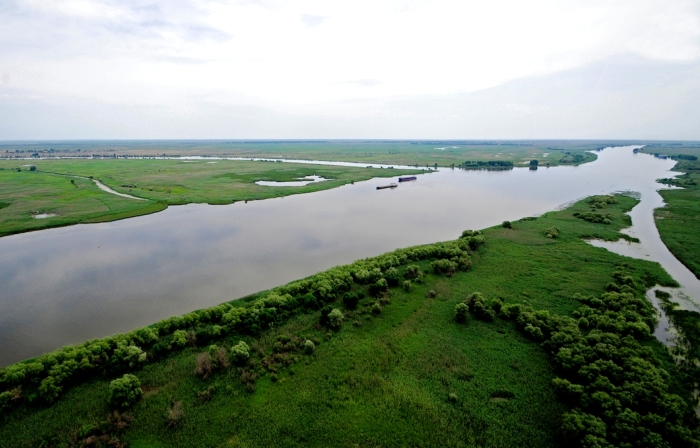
x=312, y=57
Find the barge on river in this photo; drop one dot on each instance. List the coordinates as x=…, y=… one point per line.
x=381, y=187
x=408, y=178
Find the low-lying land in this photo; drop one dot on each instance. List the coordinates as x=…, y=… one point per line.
x=414, y=153
x=398, y=350
x=62, y=193
x=679, y=221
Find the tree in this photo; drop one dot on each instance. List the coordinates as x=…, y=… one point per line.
x=125, y=391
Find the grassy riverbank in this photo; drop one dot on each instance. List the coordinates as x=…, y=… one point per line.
x=399, y=371
x=679, y=221
x=54, y=188
x=422, y=153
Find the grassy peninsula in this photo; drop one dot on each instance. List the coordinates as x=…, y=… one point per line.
x=679, y=221
x=520, y=335
x=63, y=190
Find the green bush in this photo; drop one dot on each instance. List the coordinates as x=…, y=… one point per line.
x=596, y=218
x=240, y=352
x=350, y=300
x=412, y=271
x=444, y=266
x=179, y=339
x=392, y=276
x=407, y=285
x=309, y=347
x=552, y=232
x=507, y=225
x=461, y=312
x=335, y=318
x=378, y=287
x=50, y=389
x=125, y=391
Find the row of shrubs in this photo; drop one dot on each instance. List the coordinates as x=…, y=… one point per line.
x=617, y=391
x=596, y=218
x=46, y=377
x=602, y=201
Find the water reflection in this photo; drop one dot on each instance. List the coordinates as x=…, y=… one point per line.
x=66, y=285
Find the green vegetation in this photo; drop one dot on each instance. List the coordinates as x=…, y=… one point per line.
x=347, y=357
x=679, y=221
x=63, y=188
x=125, y=391
x=420, y=153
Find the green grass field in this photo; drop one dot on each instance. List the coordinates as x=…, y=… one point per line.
x=54, y=188
x=382, y=379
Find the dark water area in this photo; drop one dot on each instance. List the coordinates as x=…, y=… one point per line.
x=67, y=285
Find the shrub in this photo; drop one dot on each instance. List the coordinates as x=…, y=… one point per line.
x=325, y=311
x=444, y=266
x=8, y=398
x=452, y=397
x=335, y=318
x=204, y=365
x=376, y=308
x=378, y=287
x=309, y=347
x=596, y=218
x=50, y=389
x=179, y=338
x=392, y=276
x=350, y=300
x=464, y=263
x=125, y=391
x=174, y=414
x=496, y=305
x=552, y=232
x=128, y=355
x=412, y=271
x=219, y=357
x=432, y=294
x=240, y=352
x=407, y=285
x=507, y=225
x=461, y=312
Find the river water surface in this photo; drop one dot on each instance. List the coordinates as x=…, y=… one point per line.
x=66, y=285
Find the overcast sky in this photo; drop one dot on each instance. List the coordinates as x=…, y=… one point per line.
x=356, y=69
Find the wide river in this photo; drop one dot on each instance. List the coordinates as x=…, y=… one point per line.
x=67, y=285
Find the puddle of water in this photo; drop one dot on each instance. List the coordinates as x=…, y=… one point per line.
x=298, y=183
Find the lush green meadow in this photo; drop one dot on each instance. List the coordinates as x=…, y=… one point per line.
x=398, y=371
x=61, y=187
